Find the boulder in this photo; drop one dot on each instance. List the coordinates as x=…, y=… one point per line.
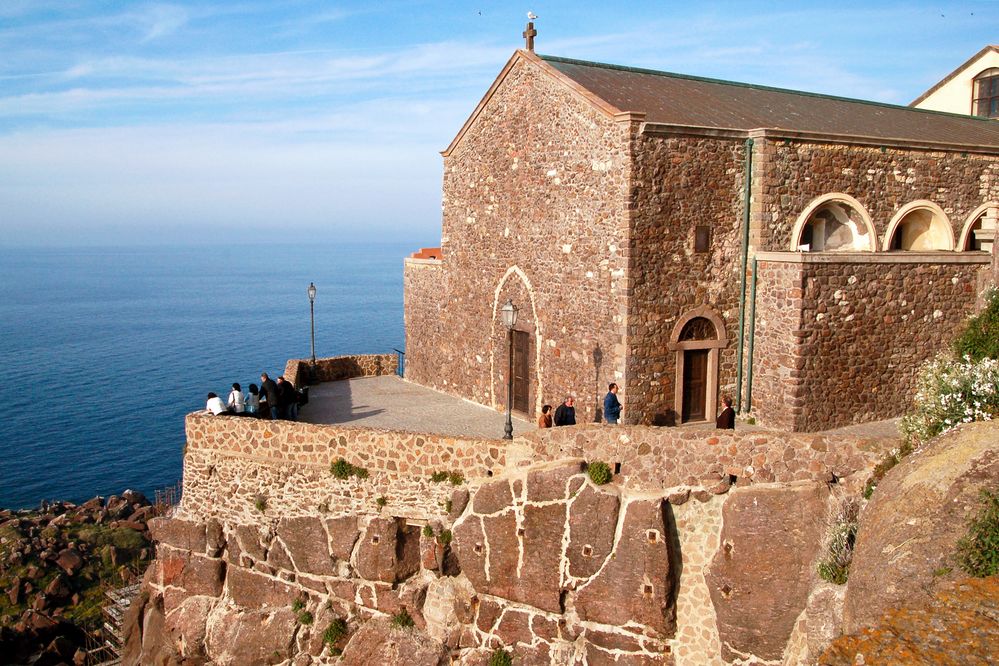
x=187, y=626
x=240, y=637
x=307, y=545
x=178, y=533
x=635, y=585
x=197, y=575
x=69, y=560
x=762, y=574
x=343, y=533
x=909, y=531
x=389, y=550
x=592, y=524
x=957, y=624
x=377, y=643
x=448, y=605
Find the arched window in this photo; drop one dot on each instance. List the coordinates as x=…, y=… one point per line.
x=919, y=227
x=985, y=98
x=980, y=229
x=834, y=223
x=970, y=242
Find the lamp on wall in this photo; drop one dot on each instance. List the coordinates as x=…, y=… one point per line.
x=508, y=315
x=312, y=318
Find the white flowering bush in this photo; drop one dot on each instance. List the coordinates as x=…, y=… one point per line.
x=950, y=392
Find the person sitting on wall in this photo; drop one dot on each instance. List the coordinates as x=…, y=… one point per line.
x=726, y=420
x=287, y=399
x=545, y=418
x=565, y=415
x=252, y=401
x=215, y=405
x=235, y=402
x=270, y=392
x=612, y=406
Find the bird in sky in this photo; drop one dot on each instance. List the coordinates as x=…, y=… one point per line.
x=532, y=15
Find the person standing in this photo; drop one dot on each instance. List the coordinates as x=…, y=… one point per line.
x=612, y=406
x=565, y=415
x=545, y=418
x=270, y=392
x=288, y=399
x=236, y=403
x=726, y=420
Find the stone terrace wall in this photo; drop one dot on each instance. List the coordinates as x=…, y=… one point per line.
x=882, y=179
x=840, y=339
x=680, y=183
x=332, y=369
x=535, y=210
x=232, y=461
x=674, y=561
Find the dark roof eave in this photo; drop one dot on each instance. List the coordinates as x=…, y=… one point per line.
x=818, y=137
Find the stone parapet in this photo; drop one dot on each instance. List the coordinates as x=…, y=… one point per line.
x=300, y=372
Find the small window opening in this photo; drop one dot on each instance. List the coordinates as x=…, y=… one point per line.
x=617, y=468
x=587, y=550
x=702, y=238
x=375, y=539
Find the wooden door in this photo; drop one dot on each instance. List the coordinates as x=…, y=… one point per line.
x=521, y=372
x=695, y=382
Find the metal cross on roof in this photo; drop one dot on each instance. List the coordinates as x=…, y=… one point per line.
x=529, y=34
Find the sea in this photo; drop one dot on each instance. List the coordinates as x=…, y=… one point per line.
x=104, y=350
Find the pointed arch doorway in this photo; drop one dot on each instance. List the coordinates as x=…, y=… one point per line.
x=697, y=339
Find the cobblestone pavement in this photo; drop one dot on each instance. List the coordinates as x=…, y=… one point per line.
x=394, y=404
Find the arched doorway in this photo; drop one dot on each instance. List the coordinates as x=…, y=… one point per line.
x=697, y=338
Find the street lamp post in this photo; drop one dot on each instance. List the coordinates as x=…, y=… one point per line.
x=509, y=316
x=312, y=318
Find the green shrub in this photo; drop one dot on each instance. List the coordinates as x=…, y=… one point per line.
x=978, y=550
x=381, y=501
x=297, y=605
x=445, y=538
x=980, y=338
x=835, y=566
x=305, y=617
x=438, y=477
x=343, y=470
x=500, y=657
x=428, y=531
x=402, y=620
x=456, y=478
x=335, y=632
x=600, y=472
x=260, y=503
x=448, y=505
x=950, y=392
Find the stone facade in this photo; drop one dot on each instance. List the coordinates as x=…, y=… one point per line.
x=610, y=233
x=534, y=211
x=840, y=339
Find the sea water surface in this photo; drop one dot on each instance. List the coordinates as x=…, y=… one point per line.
x=104, y=350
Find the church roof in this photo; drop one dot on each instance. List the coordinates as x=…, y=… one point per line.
x=968, y=63
x=677, y=99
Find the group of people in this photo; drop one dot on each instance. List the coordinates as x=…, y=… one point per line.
x=565, y=414
x=273, y=400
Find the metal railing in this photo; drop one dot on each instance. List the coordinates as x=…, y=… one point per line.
x=400, y=368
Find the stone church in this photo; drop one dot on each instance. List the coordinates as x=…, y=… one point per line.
x=688, y=238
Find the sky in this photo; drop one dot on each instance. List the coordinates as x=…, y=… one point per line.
x=126, y=123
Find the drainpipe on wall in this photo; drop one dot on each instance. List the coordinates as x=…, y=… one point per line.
x=747, y=189
x=752, y=337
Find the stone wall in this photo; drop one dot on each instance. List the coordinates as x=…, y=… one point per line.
x=679, y=183
x=535, y=210
x=675, y=559
x=287, y=464
x=839, y=339
x=300, y=372
x=790, y=173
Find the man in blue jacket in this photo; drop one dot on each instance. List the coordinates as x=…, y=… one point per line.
x=612, y=406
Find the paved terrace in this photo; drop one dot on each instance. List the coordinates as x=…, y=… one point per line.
x=394, y=404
